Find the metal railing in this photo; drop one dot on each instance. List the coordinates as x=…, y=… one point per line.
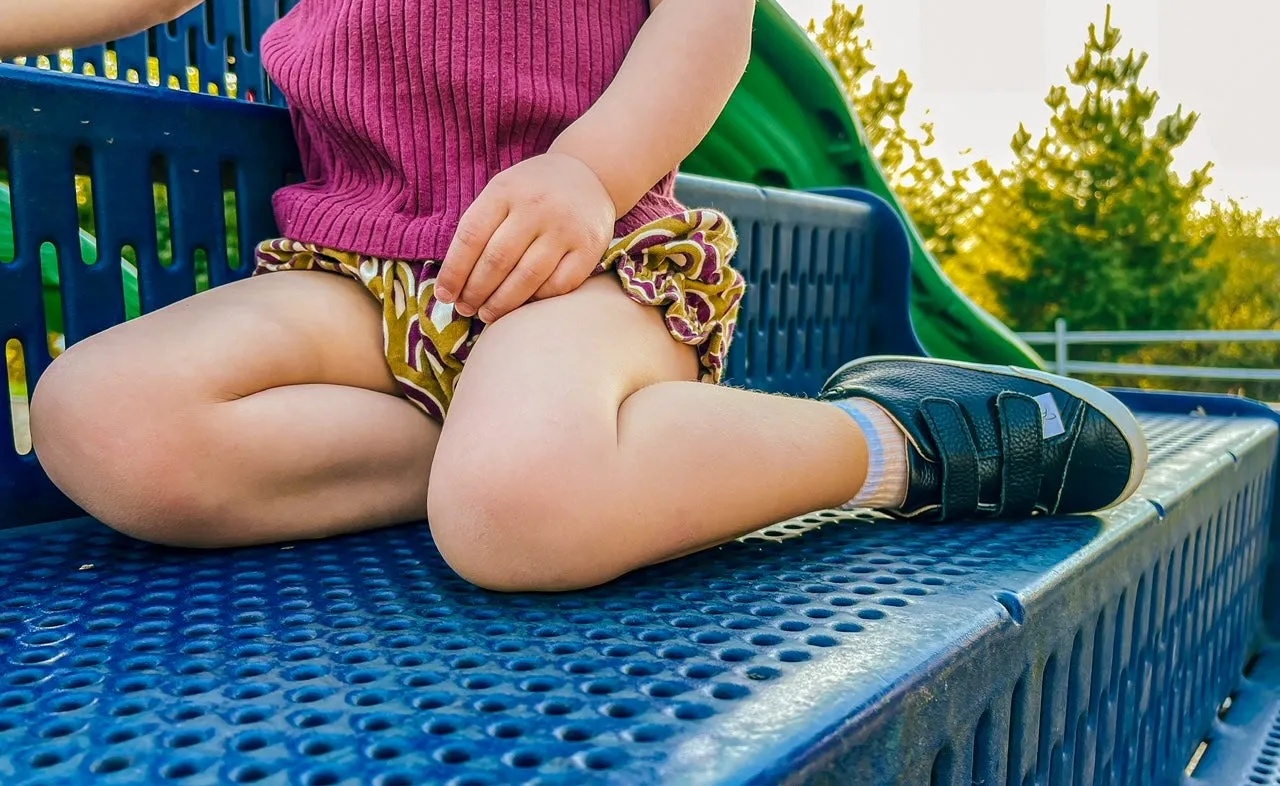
x=1062, y=339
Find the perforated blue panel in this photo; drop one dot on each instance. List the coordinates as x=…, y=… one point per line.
x=1052, y=651
x=812, y=305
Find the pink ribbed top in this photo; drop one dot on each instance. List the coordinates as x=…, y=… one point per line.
x=405, y=109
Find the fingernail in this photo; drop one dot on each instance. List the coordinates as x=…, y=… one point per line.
x=463, y=310
x=444, y=295
x=485, y=316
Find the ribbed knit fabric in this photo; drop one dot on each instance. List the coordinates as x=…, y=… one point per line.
x=405, y=109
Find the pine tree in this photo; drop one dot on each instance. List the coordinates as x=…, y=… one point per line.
x=1091, y=223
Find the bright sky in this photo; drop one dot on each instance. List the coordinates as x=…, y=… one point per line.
x=981, y=66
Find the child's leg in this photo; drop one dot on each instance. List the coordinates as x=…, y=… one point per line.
x=255, y=412
x=577, y=448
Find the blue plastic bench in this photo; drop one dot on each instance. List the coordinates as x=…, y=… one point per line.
x=830, y=649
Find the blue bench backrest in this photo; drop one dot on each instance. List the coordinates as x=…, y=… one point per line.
x=218, y=40
x=828, y=276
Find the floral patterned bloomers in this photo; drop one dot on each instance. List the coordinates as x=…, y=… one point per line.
x=679, y=264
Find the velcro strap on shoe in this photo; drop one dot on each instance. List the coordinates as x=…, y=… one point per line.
x=1021, y=448
x=957, y=455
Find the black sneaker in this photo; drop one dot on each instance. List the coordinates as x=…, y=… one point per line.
x=1000, y=441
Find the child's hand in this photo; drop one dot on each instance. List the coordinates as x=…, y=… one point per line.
x=539, y=229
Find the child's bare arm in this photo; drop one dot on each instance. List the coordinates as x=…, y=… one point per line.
x=37, y=27
x=676, y=80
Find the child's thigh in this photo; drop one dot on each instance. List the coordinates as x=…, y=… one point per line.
x=157, y=380
x=237, y=415
x=265, y=332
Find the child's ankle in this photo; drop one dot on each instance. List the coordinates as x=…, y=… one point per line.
x=885, y=487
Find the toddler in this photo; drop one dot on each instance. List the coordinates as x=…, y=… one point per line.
x=487, y=307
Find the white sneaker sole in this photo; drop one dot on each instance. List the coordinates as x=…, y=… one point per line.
x=1110, y=407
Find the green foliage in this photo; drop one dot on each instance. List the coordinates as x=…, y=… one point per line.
x=937, y=200
x=1090, y=222
x=1244, y=262
x=1245, y=258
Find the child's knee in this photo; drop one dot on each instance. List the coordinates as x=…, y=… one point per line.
x=512, y=530
x=507, y=548
x=115, y=453
x=73, y=417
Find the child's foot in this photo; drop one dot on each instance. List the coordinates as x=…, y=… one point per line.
x=987, y=441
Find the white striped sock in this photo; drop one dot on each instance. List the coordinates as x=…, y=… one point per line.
x=886, y=485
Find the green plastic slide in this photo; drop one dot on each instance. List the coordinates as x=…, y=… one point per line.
x=789, y=124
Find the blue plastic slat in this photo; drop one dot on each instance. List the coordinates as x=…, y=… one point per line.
x=126, y=216
x=131, y=55
x=1080, y=650
x=168, y=45
x=248, y=31
x=195, y=209
x=218, y=43
x=1243, y=748
x=754, y=344
x=253, y=190
x=22, y=482
x=94, y=56
x=21, y=310
x=93, y=295
x=41, y=175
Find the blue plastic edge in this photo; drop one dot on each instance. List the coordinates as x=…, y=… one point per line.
x=1222, y=405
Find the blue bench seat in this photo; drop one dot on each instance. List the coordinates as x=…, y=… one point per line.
x=1088, y=650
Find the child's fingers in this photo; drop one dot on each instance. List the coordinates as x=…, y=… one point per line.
x=538, y=263
x=575, y=268
x=497, y=262
x=477, y=225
